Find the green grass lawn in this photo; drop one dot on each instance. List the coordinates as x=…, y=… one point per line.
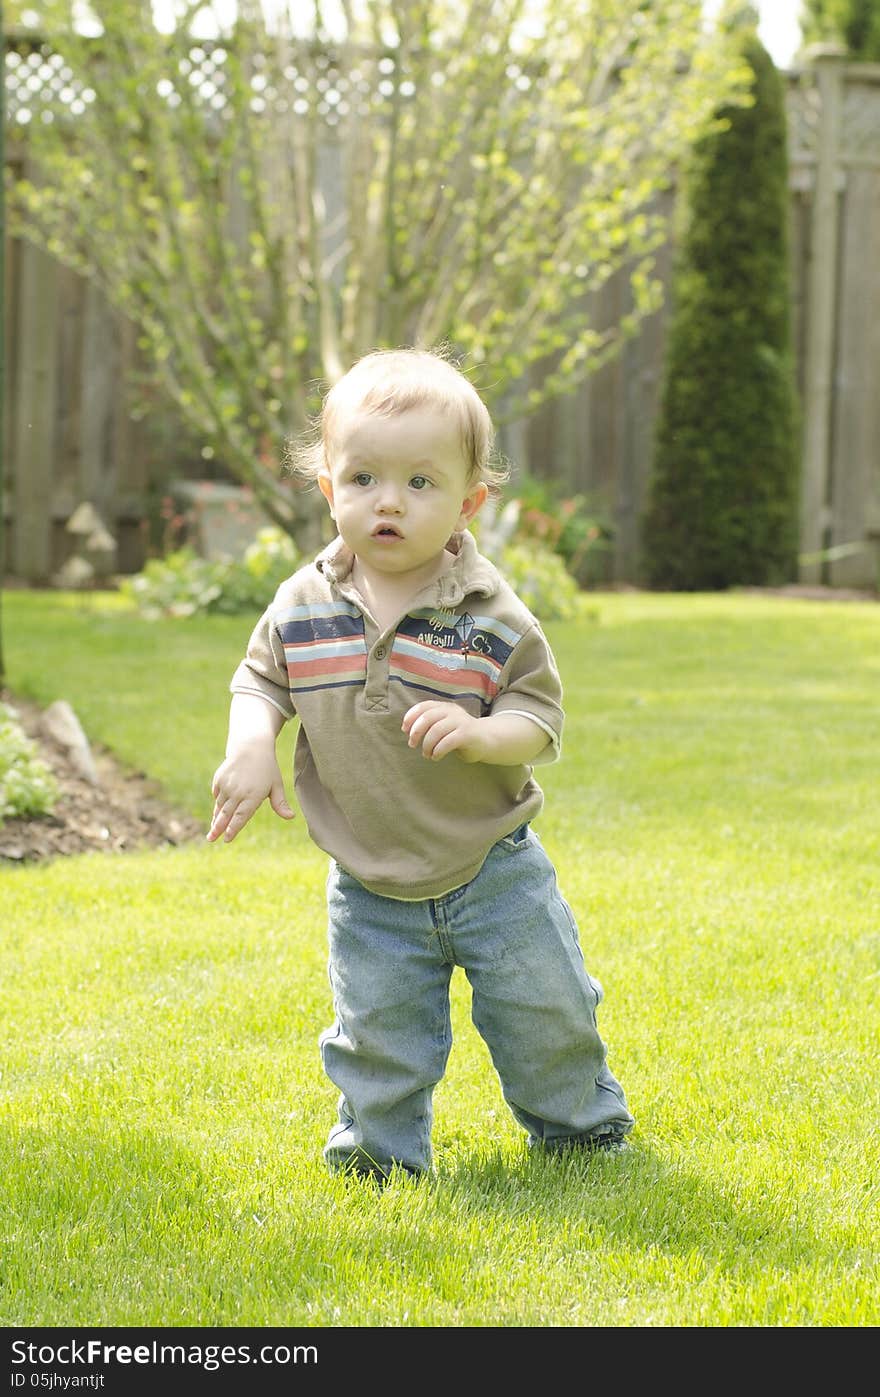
x=715, y=822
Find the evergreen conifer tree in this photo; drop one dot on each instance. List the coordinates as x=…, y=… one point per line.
x=723, y=499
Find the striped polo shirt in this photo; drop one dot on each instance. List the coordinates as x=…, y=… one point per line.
x=405, y=827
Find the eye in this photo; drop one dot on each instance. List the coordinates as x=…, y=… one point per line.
x=362, y=478
x=419, y=482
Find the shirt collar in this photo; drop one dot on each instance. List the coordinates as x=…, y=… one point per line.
x=470, y=572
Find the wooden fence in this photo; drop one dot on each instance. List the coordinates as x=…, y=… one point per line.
x=600, y=440
x=70, y=437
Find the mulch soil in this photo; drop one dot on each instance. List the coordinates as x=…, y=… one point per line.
x=122, y=812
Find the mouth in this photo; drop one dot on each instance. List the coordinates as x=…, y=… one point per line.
x=386, y=531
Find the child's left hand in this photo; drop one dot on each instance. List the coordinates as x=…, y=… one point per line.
x=442, y=728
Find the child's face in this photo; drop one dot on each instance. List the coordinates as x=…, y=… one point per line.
x=398, y=487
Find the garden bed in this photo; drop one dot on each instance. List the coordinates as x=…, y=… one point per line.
x=123, y=811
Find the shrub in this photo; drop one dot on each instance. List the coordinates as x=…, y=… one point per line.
x=541, y=580
x=183, y=583
x=534, y=570
x=27, y=786
x=723, y=498
x=566, y=523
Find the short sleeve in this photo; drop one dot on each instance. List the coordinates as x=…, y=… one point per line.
x=263, y=671
x=531, y=686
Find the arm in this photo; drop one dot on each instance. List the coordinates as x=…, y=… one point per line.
x=250, y=771
x=500, y=739
x=525, y=722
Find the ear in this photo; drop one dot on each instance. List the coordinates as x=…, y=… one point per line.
x=472, y=504
x=325, y=485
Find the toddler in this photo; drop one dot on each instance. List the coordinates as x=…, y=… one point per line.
x=426, y=693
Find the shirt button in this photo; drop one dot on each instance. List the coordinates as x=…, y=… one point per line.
x=380, y=652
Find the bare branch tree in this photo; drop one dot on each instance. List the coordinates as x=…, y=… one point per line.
x=269, y=203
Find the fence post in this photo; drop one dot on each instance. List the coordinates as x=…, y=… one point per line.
x=821, y=317
x=36, y=392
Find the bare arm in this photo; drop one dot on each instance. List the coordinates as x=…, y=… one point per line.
x=501, y=739
x=250, y=772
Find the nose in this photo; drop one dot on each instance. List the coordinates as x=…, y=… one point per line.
x=389, y=499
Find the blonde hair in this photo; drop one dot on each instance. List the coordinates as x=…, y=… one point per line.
x=389, y=381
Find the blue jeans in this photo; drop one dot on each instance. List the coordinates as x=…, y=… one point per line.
x=533, y=1003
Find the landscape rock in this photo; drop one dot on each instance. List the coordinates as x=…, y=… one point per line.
x=61, y=724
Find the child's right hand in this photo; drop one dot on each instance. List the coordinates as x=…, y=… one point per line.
x=241, y=784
